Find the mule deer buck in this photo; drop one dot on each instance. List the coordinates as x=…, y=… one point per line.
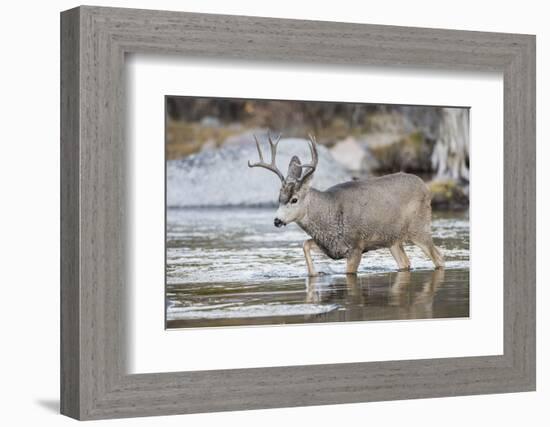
x=354, y=217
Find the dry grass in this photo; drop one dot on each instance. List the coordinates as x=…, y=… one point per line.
x=183, y=138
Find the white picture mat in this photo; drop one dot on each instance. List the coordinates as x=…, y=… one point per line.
x=153, y=349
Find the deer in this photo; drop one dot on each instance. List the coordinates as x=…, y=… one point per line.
x=355, y=217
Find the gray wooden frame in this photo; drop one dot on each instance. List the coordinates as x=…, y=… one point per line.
x=94, y=41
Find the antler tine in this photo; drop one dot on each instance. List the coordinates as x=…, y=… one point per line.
x=259, y=151
x=269, y=166
x=273, y=146
x=271, y=142
x=312, y=143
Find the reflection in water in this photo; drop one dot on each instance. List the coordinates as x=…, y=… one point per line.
x=336, y=298
x=248, y=273
x=422, y=303
x=400, y=299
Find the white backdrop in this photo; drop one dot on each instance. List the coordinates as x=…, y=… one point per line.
x=152, y=349
x=29, y=214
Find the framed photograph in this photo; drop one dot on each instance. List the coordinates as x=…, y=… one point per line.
x=262, y=213
x=354, y=185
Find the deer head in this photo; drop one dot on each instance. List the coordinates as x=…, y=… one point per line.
x=296, y=184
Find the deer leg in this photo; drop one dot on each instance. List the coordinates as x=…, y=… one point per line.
x=431, y=251
x=400, y=257
x=308, y=245
x=353, y=262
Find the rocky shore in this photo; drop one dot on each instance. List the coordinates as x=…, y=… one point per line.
x=427, y=141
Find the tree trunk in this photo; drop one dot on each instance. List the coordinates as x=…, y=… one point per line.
x=450, y=157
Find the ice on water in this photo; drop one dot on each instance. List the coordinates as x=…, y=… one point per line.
x=219, y=260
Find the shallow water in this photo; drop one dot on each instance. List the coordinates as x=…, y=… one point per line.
x=231, y=266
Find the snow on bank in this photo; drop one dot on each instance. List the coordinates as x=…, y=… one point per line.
x=221, y=177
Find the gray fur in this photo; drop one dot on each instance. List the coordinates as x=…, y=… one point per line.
x=367, y=215
x=294, y=170
x=291, y=182
x=355, y=217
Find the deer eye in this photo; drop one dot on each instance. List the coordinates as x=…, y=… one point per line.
x=294, y=200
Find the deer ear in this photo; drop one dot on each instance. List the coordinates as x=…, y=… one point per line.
x=306, y=182
x=294, y=169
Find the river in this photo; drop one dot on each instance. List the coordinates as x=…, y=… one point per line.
x=232, y=267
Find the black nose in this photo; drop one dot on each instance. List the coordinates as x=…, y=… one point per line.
x=278, y=223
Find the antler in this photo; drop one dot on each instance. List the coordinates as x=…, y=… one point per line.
x=269, y=166
x=314, y=158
